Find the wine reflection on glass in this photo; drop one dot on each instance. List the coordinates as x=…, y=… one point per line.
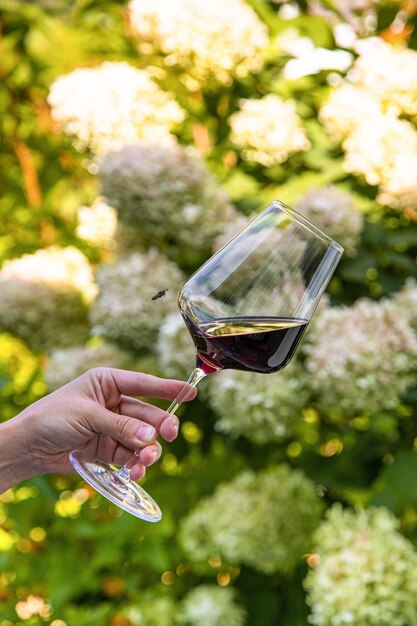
x=246, y=308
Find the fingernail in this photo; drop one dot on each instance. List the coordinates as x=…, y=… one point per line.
x=175, y=425
x=146, y=433
x=155, y=456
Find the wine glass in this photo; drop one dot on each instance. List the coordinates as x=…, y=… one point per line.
x=246, y=308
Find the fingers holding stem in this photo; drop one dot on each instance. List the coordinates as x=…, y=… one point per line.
x=164, y=422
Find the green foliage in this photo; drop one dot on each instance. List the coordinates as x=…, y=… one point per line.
x=86, y=561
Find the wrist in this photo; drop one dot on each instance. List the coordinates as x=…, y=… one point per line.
x=14, y=461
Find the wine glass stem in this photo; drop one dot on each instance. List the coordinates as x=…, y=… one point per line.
x=198, y=374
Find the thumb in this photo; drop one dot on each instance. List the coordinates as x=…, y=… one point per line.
x=130, y=432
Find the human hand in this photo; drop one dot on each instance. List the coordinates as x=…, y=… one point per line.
x=95, y=413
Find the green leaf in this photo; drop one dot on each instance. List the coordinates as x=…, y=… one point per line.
x=354, y=270
x=240, y=185
x=397, y=483
x=298, y=185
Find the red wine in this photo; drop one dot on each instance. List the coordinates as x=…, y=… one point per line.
x=255, y=344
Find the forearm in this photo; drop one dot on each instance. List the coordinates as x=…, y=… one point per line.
x=14, y=466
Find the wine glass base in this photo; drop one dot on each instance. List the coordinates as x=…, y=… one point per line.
x=128, y=495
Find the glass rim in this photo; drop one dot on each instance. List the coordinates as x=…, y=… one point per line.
x=303, y=221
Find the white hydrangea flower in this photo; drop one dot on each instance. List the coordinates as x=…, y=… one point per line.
x=65, y=364
x=344, y=35
x=97, y=224
x=406, y=302
x=155, y=610
x=347, y=108
x=205, y=38
x=310, y=59
x=372, y=150
x=174, y=348
x=361, y=357
x=263, y=520
x=399, y=189
x=167, y=195
x=384, y=152
x=333, y=211
x=390, y=74
x=260, y=407
x=268, y=130
x=124, y=311
x=380, y=87
x=365, y=572
x=111, y=105
x=211, y=605
x=45, y=296
x=55, y=267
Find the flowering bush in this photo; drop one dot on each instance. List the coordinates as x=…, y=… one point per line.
x=380, y=87
x=309, y=59
x=372, y=152
x=159, y=611
x=68, y=363
x=167, y=195
x=45, y=297
x=97, y=224
x=188, y=32
x=111, y=105
x=186, y=111
x=406, y=302
x=124, y=310
x=365, y=571
x=268, y=407
x=209, y=605
x=347, y=108
x=360, y=357
x=175, y=349
x=263, y=520
x=267, y=131
x=389, y=73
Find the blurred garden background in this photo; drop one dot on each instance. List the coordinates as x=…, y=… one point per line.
x=136, y=139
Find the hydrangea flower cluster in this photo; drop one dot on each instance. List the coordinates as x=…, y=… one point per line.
x=97, y=224
x=406, y=302
x=124, y=311
x=111, y=105
x=175, y=348
x=309, y=59
x=45, y=296
x=268, y=407
x=268, y=130
x=68, y=363
x=361, y=357
x=204, y=38
x=157, y=611
x=211, y=605
x=380, y=86
x=55, y=267
x=333, y=211
x=400, y=189
x=345, y=109
x=390, y=74
x=166, y=194
x=263, y=520
x=372, y=151
x=366, y=571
